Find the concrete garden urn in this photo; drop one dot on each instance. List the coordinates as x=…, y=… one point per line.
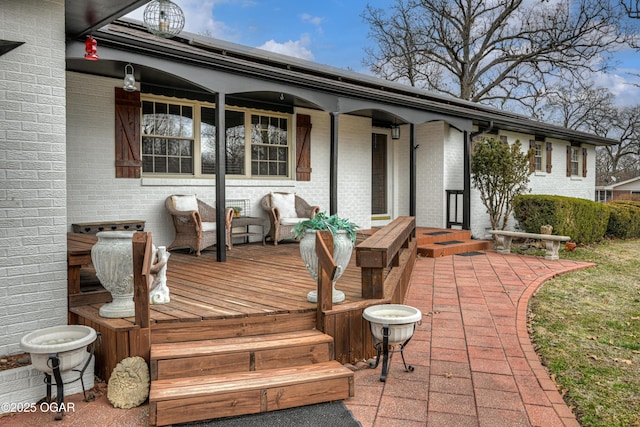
x=69, y=342
x=342, y=249
x=112, y=257
x=400, y=319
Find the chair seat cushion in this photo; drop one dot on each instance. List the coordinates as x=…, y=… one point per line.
x=185, y=203
x=291, y=220
x=208, y=226
x=286, y=204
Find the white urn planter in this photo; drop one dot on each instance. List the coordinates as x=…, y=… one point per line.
x=400, y=319
x=391, y=325
x=56, y=350
x=69, y=342
x=112, y=257
x=342, y=249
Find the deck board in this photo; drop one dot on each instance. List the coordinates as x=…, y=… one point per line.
x=255, y=280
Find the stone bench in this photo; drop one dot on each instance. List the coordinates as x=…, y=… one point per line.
x=503, y=241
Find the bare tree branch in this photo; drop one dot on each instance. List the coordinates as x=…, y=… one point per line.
x=500, y=52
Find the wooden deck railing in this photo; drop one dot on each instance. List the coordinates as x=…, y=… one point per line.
x=392, y=246
x=326, y=272
x=381, y=251
x=142, y=262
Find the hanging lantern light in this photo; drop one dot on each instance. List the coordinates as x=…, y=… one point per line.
x=129, y=79
x=91, y=49
x=395, y=132
x=163, y=18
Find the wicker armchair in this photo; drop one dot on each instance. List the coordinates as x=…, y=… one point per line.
x=195, y=227
x=282, y=222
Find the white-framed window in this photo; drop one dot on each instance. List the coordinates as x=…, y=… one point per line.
x=167, y=138
x=603, y=195
x=269, y=145
x=179, y=140
x=541, y=157
x=538, y=156
x=575, y=161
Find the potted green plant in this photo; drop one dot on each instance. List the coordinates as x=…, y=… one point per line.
x=237, y=210
x=344, y=237
x=332, y=223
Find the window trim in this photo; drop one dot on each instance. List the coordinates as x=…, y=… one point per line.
x=197, y=139
x=580, y=161
x=575, y=161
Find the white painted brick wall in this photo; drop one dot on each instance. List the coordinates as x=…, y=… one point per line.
x=354, y=169
x=554, y=183
x=401, y=173
x=25, y=385
x=94, y=194
x=453, y=159
x=430, y=175
x=32, y=171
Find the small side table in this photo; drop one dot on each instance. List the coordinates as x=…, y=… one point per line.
x=247, y=222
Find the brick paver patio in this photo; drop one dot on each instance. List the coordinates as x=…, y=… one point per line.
x=474, y=362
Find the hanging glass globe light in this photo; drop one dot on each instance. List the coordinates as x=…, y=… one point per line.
x=163, y=18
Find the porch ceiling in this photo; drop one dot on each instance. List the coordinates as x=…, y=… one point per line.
x=82, y=16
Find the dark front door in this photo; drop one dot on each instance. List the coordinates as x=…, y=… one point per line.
x=378, y=174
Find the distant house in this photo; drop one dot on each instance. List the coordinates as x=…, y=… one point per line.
x=77, y=148
x=625, y=190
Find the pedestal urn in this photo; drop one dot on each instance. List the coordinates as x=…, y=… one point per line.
x=342, y=249
x=112, y=257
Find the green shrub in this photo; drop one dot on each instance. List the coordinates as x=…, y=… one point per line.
x=585, y=221
x=624, y=219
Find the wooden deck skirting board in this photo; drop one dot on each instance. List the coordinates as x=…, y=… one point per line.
x=552, y=241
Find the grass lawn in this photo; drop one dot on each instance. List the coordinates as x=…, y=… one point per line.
x=586, y=327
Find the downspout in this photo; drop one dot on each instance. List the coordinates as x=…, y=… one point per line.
x=412, y=170
x=466, y=192
x=221, y=160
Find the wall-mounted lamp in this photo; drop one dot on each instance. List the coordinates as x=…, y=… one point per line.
x=395, y=132
x=129, y=79
x=91, y=49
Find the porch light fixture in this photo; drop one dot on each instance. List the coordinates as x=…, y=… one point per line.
x=163, y=18
x=129, y=79
x=91, y=49
x=395, y=132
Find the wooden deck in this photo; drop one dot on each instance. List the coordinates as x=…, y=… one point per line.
x=258, y=290
x=255, y=280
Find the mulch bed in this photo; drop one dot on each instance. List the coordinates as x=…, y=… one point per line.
x=15, y=361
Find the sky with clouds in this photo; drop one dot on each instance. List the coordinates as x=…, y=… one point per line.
x=330, y=32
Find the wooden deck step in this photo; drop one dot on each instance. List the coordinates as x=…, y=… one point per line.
x=250, y=353
x=182, y=400
x=427, y=236
x=446, y=248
